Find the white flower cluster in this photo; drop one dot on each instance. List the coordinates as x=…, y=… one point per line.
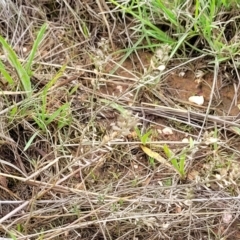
x=160, y=58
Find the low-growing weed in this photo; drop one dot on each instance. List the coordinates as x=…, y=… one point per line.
x=23, y=70
x=175, y=161
x=178, y=162
x=143, y=138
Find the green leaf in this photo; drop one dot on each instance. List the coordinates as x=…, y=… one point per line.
x=30, y=141
x=55, y=78
x=138, y=133
x=34, y=48
x=235, y=130
x=115, y=106
x=5, y=74
x=13, y=59
x=57, y=113
x=182, y=160
x=145, y=137
x=14, y=110
x=40, y=122
x=191, y=142
x=175, y=163
x=167, y=151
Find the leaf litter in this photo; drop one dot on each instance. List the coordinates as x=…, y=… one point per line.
x=81, y=180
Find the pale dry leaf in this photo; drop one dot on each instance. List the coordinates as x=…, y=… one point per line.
x=150, y=222
x=227, y=217
x=161, y=68
x=193, y=175
x=178, y=209
x=199, y=100
x=167, y=131
x=199, y=74
x=156, y=156
x=185, y=140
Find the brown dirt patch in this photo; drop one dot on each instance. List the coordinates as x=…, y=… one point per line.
x=181, y=88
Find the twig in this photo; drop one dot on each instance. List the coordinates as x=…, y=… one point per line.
x=105, y=20
x=13, y=212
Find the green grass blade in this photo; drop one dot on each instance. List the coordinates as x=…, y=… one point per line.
x=174, y=162
x=55, y=78
x=167, y=151
x=35, y=47
x=138, y=133
x=114, y=105
x=181, y=164
x=5, y=74
x=13, y=59
x=57, y=113
x=162, y=36
x=171, y=16
x=30, y=141
x=39, y=122
x=145, y=137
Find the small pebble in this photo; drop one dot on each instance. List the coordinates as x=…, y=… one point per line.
x=199, y=100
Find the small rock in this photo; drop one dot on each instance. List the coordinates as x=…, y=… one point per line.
x=185, y=140
x=199, y=100
x=167, y=131
x=161, y=68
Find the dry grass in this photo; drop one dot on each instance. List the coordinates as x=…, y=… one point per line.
x=89, y=178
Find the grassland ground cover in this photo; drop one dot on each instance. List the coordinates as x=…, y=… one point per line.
x=119, y=119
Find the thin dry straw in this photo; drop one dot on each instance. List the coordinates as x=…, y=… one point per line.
x=169, y=112
x=12, y=213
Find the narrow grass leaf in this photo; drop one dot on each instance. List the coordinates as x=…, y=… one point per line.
x=5, y=74
x=30, y=141
x=235, y=130
x=115, y=106
x=161, y=35
x=55, y=78
x=156, y=156
x=46, y=88
x=167, y=151
x=12, y=236
x=182, y=160
x=138, y=133
x=35, y=47
x=13, y=111
x=191, y=142
x=145, y=137
x=174, y=162
x=171, y=16
x=13, y=59
x=57, y=113
x=40, y=122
